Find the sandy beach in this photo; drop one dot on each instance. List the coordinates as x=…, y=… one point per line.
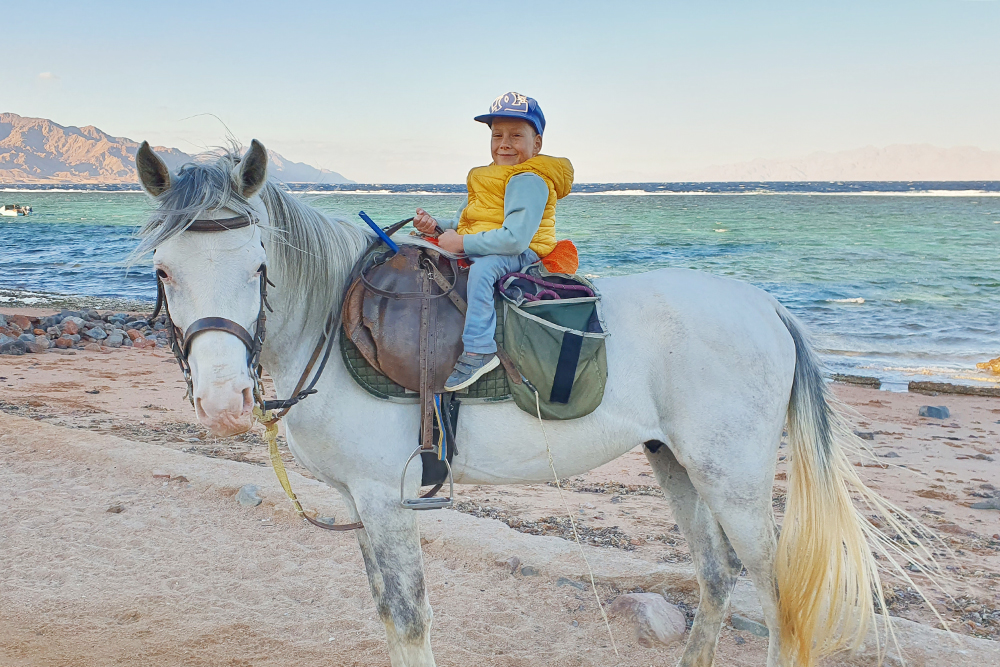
x=183, y=575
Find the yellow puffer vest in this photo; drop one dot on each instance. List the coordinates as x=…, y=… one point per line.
x=486, y=189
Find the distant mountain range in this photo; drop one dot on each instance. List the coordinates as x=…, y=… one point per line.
x=39, y=151
x=905, y=162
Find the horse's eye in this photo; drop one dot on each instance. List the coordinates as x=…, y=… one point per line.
x=161, y=274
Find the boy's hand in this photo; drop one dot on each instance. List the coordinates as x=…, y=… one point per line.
x=451, y=241
x=424, y=222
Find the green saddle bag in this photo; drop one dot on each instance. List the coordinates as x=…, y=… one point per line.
x=557, y=344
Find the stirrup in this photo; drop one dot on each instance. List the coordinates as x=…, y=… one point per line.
x=426, y=503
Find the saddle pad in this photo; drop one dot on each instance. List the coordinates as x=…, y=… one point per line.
x=491, y=388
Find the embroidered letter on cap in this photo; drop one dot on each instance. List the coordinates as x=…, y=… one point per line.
x=510, y=102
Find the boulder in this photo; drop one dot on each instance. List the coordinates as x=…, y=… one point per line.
x=14, y=347
x=97, y=333
x=63, y=343
x=92, y=347
x=655, y=620
x=3, y=320
x=114, y=340
x=39, y=347
x=27, y=338
x=934, y=411
x=144, y=344
x=21, y=321
x=134, y=334
x=69, y=327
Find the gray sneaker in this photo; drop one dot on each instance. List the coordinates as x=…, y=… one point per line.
x=470, y=368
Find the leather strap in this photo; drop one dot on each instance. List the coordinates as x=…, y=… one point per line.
x=446, y=287
x=216, y=324
x=426, y=360
x=220, y=225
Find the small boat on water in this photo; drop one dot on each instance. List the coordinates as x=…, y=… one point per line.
x=14, y=210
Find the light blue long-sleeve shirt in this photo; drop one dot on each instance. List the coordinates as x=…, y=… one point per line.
x=524, y=202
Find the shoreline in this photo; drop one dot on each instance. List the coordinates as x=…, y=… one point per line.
x=927, y=383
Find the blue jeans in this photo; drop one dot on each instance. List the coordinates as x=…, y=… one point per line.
x=481, y=316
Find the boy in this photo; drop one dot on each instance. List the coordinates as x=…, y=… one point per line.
x=506, y=223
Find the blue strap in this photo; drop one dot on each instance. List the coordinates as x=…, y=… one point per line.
x=569, y=357
x=378, y=230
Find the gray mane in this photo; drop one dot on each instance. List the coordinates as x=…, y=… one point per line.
x=312, y=252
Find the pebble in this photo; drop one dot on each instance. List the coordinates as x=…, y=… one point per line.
x=865, y=435
x=247, y=496
x=655, y=620
x=563, y=581
x=745, y=624
x=116, y=509
x=511, y=563
x=934, y=411
x=528, y=571
x=889, y=455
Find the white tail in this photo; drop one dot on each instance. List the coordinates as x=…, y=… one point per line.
x=827, y=576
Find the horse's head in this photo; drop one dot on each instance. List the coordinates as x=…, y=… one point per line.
x=211, y=266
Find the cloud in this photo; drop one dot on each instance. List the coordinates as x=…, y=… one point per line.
x=47, y=76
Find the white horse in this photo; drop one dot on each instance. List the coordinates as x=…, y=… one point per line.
x=704, y=373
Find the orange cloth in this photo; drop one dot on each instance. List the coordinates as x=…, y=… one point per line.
x=563, y=258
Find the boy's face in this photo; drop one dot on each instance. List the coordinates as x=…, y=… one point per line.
x=514, y=141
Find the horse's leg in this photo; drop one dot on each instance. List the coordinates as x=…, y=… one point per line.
x=390, y=546
x=715, y=562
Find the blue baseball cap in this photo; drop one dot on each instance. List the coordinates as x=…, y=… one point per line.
x=515, y=105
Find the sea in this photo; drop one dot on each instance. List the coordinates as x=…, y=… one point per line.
x=898, y=281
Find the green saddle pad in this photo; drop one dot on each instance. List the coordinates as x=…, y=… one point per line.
x=491, y=388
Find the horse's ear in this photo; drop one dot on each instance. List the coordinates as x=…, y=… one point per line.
x=153, y=173
x=253, y=170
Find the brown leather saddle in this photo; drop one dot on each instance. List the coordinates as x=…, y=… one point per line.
x=405, y=313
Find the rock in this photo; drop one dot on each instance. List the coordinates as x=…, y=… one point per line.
x=934, y=411
x=21, y=321
x=889, y=455
x=115, y=509
x=247, y=496
x=97, y=333
x=656, y=621
x=144, y=344
x=991, y=504
x=563, y=581
x=53, y=331
x=92, y=347
x=38, y=348
x=753, y=627
x=38, y=332
x=14, y=348
x=114, y=340
x=865, y=435
x=69, y=327
x=75, y=338
x=863, y=380
x=3, y=320
x=92, y=315
x=528, y=571
x=63, y=343
x=134, y=334
x=27, y=338
x=511, y=564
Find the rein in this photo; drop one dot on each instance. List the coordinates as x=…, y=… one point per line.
x=180, y=345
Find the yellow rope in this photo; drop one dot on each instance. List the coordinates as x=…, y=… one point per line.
x=271, y=437
x=572, y=523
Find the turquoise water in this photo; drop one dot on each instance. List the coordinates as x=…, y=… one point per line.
x=891, y=285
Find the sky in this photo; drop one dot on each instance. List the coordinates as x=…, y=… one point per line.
x=385, y=92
